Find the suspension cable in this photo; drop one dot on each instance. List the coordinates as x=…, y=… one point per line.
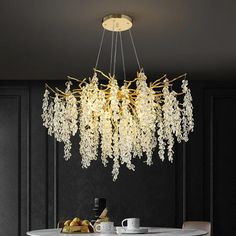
x=122, y=55
x=135, y=52
x=100, y=48
x=112, y=42
x=114, y=65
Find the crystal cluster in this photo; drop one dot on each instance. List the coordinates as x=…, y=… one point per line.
x=127, y=122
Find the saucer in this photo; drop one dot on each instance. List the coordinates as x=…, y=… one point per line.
x=121, y=230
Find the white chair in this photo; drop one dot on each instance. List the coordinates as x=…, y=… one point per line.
x=201, y=225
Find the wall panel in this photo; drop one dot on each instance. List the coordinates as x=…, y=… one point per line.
x=220, y=161
x=14, y=161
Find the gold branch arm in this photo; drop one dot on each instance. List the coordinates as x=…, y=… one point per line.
x=161, y=78
x=60, y=91
x=130, y=82
x=179, y=77
x=109, y=78
x=161, y=86
x=71, y=78
x=178, y=94
x=82, y=82
x=47, y=86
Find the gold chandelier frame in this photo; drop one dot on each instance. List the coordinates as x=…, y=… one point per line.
x=126, y=121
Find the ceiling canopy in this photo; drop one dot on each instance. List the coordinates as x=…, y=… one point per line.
x=52, y=39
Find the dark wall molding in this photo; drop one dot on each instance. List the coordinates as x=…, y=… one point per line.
x=21, y=97
x=211, y=96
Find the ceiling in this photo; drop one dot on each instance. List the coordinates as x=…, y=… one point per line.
x=50, y=39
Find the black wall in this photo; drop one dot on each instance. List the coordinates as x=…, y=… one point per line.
x=38, y=187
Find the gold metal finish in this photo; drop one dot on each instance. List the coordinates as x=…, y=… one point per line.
x=117, y=22
x=157, y=86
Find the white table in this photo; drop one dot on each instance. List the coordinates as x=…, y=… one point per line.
x=152, y=231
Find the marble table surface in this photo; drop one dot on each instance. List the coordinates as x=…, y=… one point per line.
x=152, y=231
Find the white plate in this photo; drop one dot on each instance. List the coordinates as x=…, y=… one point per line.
x=44, y=232
x=121, y=230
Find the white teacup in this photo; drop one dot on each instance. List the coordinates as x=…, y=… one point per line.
x=132, y=223
x=105, y=227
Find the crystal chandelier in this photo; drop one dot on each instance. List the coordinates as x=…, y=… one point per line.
x=123, y=122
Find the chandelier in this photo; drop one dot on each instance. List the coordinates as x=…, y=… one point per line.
x=120, y=122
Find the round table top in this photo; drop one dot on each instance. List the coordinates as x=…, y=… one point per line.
x=152, y=231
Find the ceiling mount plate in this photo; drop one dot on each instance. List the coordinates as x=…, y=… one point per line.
x=117, y=22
